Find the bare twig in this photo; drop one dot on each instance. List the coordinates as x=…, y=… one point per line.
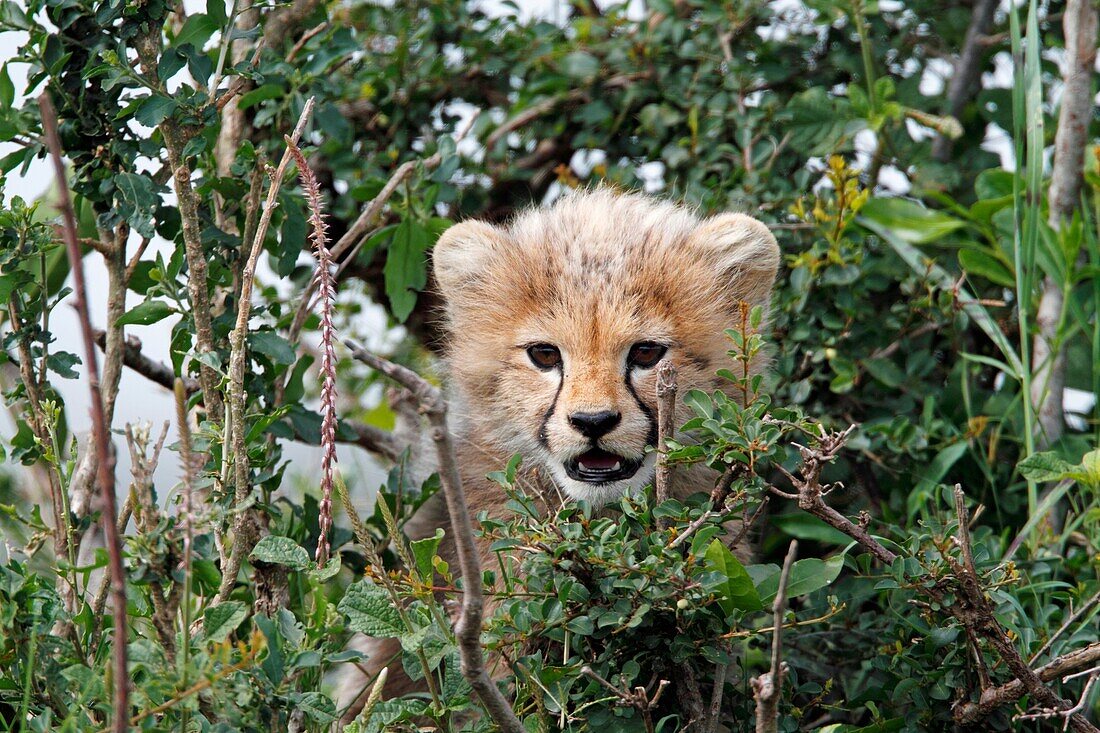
x=969, y=712
x=352, y=238
x=301, y=42
x=811, y=492
x=543, y=106
x=142, y=466
x=468, y=627
x=970, y=606
x=100, y=430
x=767, y=689
x=973, y=610
x=245, y=531
x=666, y=428
x=1074, y=618
x=1047, y=713
x=716, y=695
x=637, y=698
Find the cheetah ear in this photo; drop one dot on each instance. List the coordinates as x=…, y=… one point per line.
x=462, y=255
x=745, y=254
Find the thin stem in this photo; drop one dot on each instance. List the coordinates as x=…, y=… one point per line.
x=100, y=430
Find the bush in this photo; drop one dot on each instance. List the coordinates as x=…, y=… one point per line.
x=932, y=306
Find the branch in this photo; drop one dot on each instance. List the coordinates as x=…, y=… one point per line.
x=368, y=437
x=245, y=534
x=1067, y=177
x=538, y=109
x=468, y=627
x=970, y=606
x=967, y=72
x=973, y=609
x=100, y=430
x=966, y=713
x=767, y=689
x=811, y=492
x=666, y=428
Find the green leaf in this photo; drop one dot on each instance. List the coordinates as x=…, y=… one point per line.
x=7, y=89
x=423, y=552
x=196, y=30
x=819, y=123
x=370, y=611
x=144, y=314
x=580, y=65
x=909, y=221
x=154, y=110
x=273, y=346
x=1043, y=467
x=320, y=708
x=267, y=91
x=139, y=201
x=924, y=267
x=804, y=526
x=983, y=264
x=937, y=469
x=280, y=551
x=736, y=591
x=406, y=271
x=219, y=621
x=806, y=576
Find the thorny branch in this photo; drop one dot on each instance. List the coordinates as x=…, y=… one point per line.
x=468, y=627
x=319, y=237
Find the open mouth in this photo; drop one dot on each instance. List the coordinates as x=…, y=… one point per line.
x=600, y=467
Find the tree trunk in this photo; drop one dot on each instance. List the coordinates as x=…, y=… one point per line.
x=1048, y=356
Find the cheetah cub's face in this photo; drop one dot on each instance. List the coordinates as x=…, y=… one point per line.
x=557, y=321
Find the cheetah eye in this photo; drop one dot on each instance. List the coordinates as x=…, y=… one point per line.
x=645, y=354
x=544, y=356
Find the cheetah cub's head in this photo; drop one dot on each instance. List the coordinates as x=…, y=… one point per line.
x=557, y=320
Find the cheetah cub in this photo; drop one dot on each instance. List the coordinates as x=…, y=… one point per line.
x=555, y=324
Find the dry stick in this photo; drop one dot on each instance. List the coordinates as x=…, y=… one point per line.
x=1067, y=177
x=973, y=609
x=768, y=687
x=636, y=698
x=993, y=698
x=244, y=535
x=327, y=367
x=716, y=695
x=1085, y=608
x=975, y=613
x=666, y=428
x=100, y=430
x=468, y=627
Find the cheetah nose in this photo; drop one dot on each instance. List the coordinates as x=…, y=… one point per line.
x=595, y=424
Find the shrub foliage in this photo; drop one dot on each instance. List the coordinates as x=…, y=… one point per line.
x=947, y=524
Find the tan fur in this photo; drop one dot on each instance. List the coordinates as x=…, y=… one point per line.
x=592, y=274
